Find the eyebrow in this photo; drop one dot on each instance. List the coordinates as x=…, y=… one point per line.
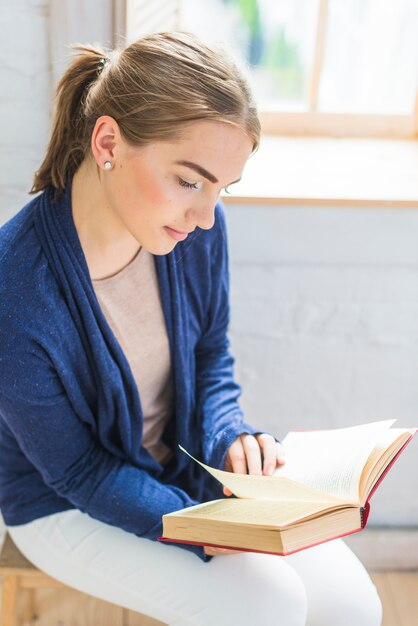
x=201, y=170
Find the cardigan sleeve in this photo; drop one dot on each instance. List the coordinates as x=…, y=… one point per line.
x=219, y=413
x=72, y=461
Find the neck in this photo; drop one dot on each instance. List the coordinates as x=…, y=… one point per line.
x=107, y=245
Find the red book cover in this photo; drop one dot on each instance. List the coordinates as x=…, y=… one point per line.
x=365, y=511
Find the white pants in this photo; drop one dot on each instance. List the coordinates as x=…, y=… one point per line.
x=323, y=586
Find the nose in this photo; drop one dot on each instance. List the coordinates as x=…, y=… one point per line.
x=204, y=216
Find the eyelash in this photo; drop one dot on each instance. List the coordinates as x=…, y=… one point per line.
x=184, y=183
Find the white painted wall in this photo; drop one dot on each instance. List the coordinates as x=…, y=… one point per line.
x=24, y=97
x=324, y=300
x=33, y=53
x=324, y=326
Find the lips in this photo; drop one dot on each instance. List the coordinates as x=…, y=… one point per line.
x=178, y=235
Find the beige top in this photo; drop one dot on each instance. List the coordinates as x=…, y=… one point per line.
x=130, y=301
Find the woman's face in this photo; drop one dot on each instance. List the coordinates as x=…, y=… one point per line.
x=163, y=191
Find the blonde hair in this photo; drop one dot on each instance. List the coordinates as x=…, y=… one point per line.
x=152, y=88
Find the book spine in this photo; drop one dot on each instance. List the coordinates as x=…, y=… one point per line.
x=364, y=514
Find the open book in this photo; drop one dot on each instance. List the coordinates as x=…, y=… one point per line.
x=321, y=493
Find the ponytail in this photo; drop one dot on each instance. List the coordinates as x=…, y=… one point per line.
x=68, y=141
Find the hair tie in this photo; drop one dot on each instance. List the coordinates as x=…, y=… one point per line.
x=103, y=62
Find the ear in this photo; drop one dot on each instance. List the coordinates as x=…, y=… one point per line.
x=104, y=140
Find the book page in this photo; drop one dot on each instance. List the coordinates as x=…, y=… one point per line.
x=331, y=461
x=265, y=487
x=255, y=512
x=385, y=450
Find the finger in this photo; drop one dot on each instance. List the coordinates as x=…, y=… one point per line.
x=281, y=456
x=236, y=457
x=227, y=492
x=268, y=445
x=253, y=454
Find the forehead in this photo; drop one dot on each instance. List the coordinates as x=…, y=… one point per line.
x=212, y=130
x=220, y=147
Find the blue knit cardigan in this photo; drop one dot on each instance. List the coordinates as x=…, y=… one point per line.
x=70, y=413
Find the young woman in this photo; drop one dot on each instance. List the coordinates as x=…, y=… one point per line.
x=113, y=349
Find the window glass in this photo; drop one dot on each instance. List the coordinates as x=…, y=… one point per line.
x=371, y=57
x=370, y=62
x=273, y=38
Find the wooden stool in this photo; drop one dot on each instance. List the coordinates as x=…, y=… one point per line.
x=18, y=573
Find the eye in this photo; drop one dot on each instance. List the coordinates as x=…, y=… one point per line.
x=226, y=190
x=184, y=183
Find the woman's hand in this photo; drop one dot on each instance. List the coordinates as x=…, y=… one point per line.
x=253, y=454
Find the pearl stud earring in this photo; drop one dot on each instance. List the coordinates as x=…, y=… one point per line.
x=108, y=165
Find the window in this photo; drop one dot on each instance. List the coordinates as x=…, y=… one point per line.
x=324, y=67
